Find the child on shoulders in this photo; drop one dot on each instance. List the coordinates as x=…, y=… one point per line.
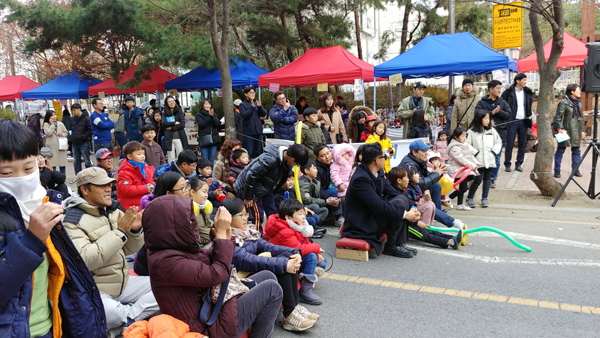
x=134, y=175
x=289, y=228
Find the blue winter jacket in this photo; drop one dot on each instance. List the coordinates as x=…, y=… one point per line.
x=131, y=123
x=21, y=252
x=252, y=117
x=101, y=127
x=245, y=258
x=284, y=122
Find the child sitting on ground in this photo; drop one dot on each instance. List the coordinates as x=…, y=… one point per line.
x=461, y=155
x=340, y=169
x=398, y=178
x=441, y=144
x=379, y=136
x=421, y=199
x=199, y=194
x=239, y=160
x=433, y=160
x=289, y=228
x=252, y=254
x=311, y=131
x=310, y=189
x=314, y=213
x=215, y=191
x=134, y=175
x=154, y=153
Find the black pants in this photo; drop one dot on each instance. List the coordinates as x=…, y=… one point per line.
x=463, y=187
x=485, y=175
x=518, y=130
x=428, y=236
x=396, y=229
x=289, y=285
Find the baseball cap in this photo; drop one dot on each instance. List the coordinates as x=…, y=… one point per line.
x=419, y=145
x=237, y=102
x=419, y=85
x=102, y=153
x=95, y=176
x=371, y=118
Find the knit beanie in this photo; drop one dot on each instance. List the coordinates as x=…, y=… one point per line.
x=465, y=81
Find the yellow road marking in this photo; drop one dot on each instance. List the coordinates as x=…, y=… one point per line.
x=466, y=294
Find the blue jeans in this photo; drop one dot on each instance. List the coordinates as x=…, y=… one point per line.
x=253, y=144
x=313, y=220
x=122, y=141
x=436, y=195
x=309, y=263
x=336, y=211
x=443, y=218
x=84, y=150
x=575, y=157
x=209, y=153
x=516, y=129
x=495, y=170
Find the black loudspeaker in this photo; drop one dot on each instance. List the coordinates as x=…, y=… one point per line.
x=590, y=78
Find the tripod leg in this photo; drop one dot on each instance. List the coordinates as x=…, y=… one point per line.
x=576, y=169
x=592, y=188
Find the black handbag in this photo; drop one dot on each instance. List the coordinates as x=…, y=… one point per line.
x=205, y=140
x=339, y=138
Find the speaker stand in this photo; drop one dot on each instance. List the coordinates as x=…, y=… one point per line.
x=593, y=147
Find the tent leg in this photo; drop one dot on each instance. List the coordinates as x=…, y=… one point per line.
x=391, y=95
x=158, y=99
x=374, y=94
x=259, y=98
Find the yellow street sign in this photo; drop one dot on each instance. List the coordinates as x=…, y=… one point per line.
x=322, y=87
x=508, y=25
x=396, y=78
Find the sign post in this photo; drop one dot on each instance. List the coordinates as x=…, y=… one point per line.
x=508, y=25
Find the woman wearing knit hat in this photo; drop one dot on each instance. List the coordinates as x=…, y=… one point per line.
x=464, y=106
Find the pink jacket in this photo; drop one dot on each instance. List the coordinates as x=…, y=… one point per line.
x=440, y=147
x=341, y=168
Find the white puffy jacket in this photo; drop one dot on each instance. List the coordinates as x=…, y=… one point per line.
x=488, y=144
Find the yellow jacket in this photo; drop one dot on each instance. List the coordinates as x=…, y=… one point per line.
x=385, y=144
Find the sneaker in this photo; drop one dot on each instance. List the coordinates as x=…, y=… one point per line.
x=485, y=203
x=465, y=236
x=578, y=174
x=463, y=207
x=340, y=221
x=471, y=203
x=557, y=174
x=297, y=322
x=447, y=204
x=458, y=240
x=507, y=168
x=303, y=311
x=319, y=271
x=518, y=167
x=458, y=224
x=493, y=185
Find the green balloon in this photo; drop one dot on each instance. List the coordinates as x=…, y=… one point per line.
x=498, y=231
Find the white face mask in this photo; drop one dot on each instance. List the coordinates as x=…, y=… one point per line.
x=23, y=187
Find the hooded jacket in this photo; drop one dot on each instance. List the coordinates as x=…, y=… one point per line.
x=284, y=122
x=76, y=304
x=235, y=168
x=442, y=148
x=510, y=96
x=131, y=123
x=277, y=231
x=208, y=125
x=81, y=131
x=353, y=132
x=427, y=179
x=265, y=173
x=500, y=118
x=252, y=117
x=132, y=184
x=488, y=144
x=312, y=134
x=103, y=247
x=463, y=111
x=460, y=155
x=341, y=168
x=181, y=273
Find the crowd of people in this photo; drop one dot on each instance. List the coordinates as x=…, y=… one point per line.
x=220, y=240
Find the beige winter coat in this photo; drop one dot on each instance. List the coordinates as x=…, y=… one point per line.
x=488, y=144
x=221, y=172
x=101, y=245
x=461, y=104
x=337, y=122
x=460, y=155
x=51, y=134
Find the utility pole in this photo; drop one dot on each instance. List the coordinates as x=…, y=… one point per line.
x=451, y=29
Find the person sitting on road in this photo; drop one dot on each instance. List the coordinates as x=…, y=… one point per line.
x=185, y=165
x=105, y=160
x=327, y=190
x=374, y=207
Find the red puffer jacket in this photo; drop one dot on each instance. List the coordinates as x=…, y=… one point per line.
x=278, y=232
x=180, y=272
x=131, y=184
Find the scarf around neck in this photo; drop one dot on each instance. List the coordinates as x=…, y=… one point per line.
x=250, y=234
x=414, y=192
x=576, y=107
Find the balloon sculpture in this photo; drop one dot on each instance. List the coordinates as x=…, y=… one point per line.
x=296, y=168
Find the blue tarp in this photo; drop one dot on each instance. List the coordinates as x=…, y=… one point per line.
x=71, y=86
x=243, y=73
x=446, y=55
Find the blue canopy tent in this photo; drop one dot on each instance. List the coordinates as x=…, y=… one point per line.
x=66, y=86
x=243, y=73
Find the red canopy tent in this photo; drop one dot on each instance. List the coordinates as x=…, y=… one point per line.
x=332, y=65
x=573, y=53
x=156, y=83
x=12, y=86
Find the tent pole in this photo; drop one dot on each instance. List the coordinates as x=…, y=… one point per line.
x=259, y=98
x=363, y=91
x=158, y=99
x=391, y=95
x=374, y=94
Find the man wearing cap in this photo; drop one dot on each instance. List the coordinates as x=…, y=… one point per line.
x=104, y=234
x=81, y=134
x=464, y=106
x=105, y=160
x=132, y=115
x=409, y=105
x=239, y=120
x=102, y=126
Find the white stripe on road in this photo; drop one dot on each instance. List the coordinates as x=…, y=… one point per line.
x=541, y=239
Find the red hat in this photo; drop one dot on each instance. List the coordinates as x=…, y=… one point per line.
x=371, y=118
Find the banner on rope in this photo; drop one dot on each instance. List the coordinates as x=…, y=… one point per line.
x=273, y=87
x=396, y=78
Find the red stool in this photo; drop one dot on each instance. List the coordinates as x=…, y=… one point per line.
x=352, y=248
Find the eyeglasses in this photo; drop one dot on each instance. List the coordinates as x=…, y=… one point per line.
x=246, y=215
x=184, y=189
x=383, y=156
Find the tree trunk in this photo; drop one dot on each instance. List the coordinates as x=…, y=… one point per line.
x=220, y=47
x=357, y=28
x=404, y=36
x=542, y=174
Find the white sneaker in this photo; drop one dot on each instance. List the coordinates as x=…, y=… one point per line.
x=463, y=207
x=340, y=221
x=458, y=224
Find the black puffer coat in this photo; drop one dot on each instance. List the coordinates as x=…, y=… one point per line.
x=427, y=179
x=169, y=120
x=81, y=131
x=500, y=118
x=263, y=174
x=208, y=125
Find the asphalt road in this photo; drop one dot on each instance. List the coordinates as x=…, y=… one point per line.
x=489, y=288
